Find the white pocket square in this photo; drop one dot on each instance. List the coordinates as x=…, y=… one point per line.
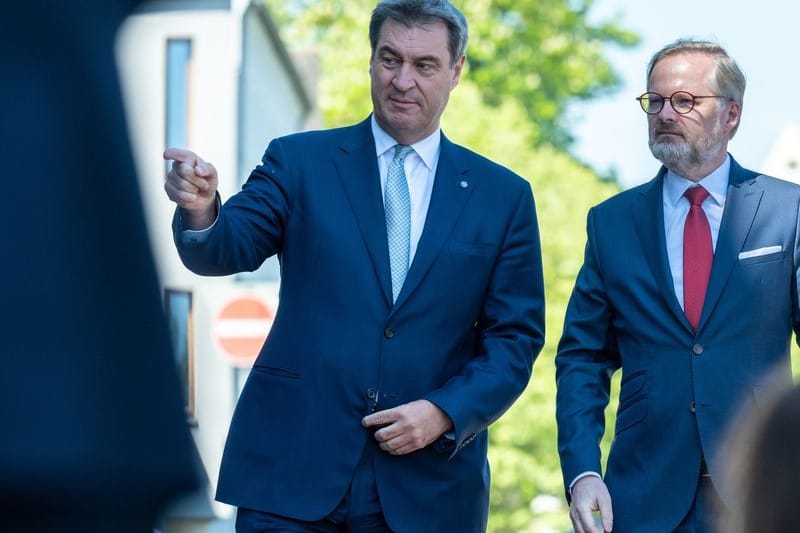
x=760, y=251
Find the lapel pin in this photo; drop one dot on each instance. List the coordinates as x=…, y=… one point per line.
x=464, y=184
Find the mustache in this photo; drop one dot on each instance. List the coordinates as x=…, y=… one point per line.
x=668, y=127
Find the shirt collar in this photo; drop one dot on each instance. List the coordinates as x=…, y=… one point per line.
x=715, y=183
x=427, y=149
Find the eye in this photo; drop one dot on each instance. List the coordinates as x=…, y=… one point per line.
x=682, y=101
x=389, y=61
x=654, y=100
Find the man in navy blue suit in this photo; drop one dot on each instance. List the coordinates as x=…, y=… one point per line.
x=689, y=285
x=412, y=302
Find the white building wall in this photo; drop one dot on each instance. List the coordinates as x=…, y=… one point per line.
x=270, y=105
x=212, y=130
x=211, y=133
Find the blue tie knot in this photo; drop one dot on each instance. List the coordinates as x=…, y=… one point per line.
x=401, y=151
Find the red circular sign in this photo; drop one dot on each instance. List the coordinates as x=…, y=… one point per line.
x=241, y=329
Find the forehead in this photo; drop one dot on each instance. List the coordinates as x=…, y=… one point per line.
x=687, y=71
x=418, y=40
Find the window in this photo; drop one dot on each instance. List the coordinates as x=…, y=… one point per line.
x=179, y=62
x=178, y=307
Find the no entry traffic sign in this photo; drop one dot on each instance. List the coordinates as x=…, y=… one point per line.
x=241, y=328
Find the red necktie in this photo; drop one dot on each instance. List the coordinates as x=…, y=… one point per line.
x=697, y=255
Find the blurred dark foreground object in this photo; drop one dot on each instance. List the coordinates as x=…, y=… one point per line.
x=763, y=463
x=93, y=434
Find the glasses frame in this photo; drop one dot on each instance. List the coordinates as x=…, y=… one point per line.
x=644, y=96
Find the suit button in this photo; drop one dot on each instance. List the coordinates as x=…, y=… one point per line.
x=371, y=394
x=388, y=333
x=692, y=407
x=697, y=349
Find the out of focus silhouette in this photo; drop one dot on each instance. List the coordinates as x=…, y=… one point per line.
x=763, y=463
x=93, y=433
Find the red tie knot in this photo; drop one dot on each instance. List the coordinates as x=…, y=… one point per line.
x=696, y=195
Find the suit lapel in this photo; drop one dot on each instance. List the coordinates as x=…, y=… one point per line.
x=451, y=188
x=648, y=219
x=357, y=166
x=741, y=206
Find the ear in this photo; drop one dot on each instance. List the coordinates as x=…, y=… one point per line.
x=457, y=69
x=734, y=114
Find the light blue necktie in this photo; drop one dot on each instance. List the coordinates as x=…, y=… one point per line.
x=397, y=205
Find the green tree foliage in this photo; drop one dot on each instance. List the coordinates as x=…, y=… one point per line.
x=544, y=54
x=526, y=62
x=527, y=490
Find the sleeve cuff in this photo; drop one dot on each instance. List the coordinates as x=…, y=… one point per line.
x=189, y=236
x=581, y=476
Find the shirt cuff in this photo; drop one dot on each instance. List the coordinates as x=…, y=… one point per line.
x=581, y=476
x=190, y=236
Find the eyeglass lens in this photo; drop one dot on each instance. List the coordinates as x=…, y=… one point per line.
x=681, y=101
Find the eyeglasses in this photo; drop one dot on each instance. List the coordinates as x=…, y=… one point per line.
x=681, y=101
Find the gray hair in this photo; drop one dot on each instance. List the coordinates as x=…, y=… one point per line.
x=728, y=79
x=421, y=12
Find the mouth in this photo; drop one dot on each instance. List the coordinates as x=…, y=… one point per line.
x=402, y=102
x=668, y=133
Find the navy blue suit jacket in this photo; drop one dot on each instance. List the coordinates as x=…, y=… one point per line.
x=463, y=333
x=679, y=388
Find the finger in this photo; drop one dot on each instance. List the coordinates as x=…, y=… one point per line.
x=576, y=523
x=181, y=197
x=394, y=445
x=375, y=419
x=183, y=156
x=203, y=168
x=606, y=513
x=405, y=449
x=383, y=435
x=390, y=431
x=586, y=519
x=188, y=178
x=179, y=184
x=381, y=418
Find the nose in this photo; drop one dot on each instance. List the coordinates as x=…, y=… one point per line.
x=667, y=111
x=404, y=79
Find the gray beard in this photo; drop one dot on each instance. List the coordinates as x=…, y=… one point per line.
x=676, y=157
x=685, y=158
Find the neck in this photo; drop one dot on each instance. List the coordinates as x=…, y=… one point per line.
x=699, y=168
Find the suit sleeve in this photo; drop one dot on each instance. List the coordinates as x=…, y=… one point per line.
x=250, y=226
x=511, y=331
x=586, y=358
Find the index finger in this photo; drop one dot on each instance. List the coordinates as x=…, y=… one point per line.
x=381, y=418
x=181, y=156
